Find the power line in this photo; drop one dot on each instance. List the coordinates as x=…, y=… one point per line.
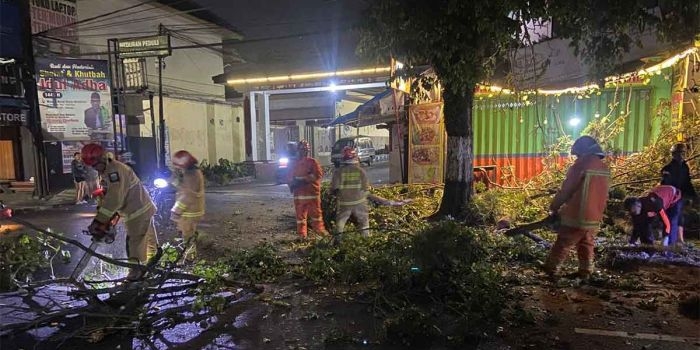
x=183, y=47
x=183, y=80
x=136, y=20
x=110, y=35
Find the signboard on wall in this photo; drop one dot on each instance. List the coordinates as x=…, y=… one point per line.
x=56, y=16
x=12, y=116
x=68, y=149
x=426, y=136
x=74, y=100
x=146, y=46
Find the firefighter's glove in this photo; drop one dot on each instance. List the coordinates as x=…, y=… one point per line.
x=5, y=212
x=98, y=231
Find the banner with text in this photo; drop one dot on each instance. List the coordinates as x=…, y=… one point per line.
x=426, y=143
x=74, y=99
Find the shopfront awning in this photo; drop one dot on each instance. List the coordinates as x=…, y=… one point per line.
x=382, y=108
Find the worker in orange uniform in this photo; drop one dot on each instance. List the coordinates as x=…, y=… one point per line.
x=350, y=183
x=304, y=181
x=126, y=196
x=580, y=204
x=189, y=202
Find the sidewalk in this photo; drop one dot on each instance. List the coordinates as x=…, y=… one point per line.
x=23, y=201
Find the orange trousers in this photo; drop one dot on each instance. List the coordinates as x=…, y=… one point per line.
x=311, y=209
x=568, y=237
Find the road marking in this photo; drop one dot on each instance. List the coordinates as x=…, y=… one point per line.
x=648, y=336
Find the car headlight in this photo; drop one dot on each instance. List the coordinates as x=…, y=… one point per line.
x=284, y=162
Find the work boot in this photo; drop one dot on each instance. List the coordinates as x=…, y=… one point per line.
x=579, y=275
x=135, y=274
x=551, y=271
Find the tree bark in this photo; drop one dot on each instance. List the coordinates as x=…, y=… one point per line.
x=459, y=159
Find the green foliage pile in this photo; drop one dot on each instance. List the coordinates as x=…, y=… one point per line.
x=439, y=285
x=224, y=171
x=425, y=200
x=22, y=254
x=515, y=205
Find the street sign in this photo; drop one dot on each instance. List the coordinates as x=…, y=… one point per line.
x=12, y=116
x=146, y=46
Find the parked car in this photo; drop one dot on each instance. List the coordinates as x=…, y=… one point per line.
x=362, y=144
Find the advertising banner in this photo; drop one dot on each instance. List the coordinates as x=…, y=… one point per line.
x=68, y=149
x=74, y=100
x=426, y=143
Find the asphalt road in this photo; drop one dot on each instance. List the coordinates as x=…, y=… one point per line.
x=243, y=207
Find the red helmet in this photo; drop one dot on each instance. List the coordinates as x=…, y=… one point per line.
x=349, y=153
x=183, y=159
x=92, y=153
x=586, y=145
x=303, y=145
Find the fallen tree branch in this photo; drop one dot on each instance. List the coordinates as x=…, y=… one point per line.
x=75, y=243
x=634, y=182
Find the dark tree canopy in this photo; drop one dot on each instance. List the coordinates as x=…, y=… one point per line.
x=463, y=41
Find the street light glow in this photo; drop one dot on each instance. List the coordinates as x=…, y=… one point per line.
x=575, y=121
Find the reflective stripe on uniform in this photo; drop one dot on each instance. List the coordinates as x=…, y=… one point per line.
x=192, y=214
x=179, y=205
x=106, y=212
x=305, y=197
x=351, y=203
x=136, y=214
x=316, y=219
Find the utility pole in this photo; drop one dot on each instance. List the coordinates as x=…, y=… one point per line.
x=30, y=95
x=161, y=118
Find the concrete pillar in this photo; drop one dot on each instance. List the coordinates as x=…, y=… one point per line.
x=211, y=134
x=266, y=113
x=253, y=127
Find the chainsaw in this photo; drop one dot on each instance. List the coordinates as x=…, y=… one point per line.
x=99, y=232
x=550, y=221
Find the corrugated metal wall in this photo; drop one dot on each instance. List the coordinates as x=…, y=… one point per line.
x=514, y=134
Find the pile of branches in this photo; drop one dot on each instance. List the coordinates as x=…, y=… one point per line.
x=92, y=309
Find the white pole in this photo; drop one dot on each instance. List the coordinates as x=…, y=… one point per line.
x=253, y=131
x=266, y=111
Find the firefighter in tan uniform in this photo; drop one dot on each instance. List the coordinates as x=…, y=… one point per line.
x=126, y=196
x=189, y=202
x=350, y=183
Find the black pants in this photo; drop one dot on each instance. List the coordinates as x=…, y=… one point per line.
x=642, y=230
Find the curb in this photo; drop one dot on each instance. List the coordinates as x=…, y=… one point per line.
x=238, y=181
x=39, y=207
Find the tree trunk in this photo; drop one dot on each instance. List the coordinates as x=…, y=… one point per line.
x=459, y=160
